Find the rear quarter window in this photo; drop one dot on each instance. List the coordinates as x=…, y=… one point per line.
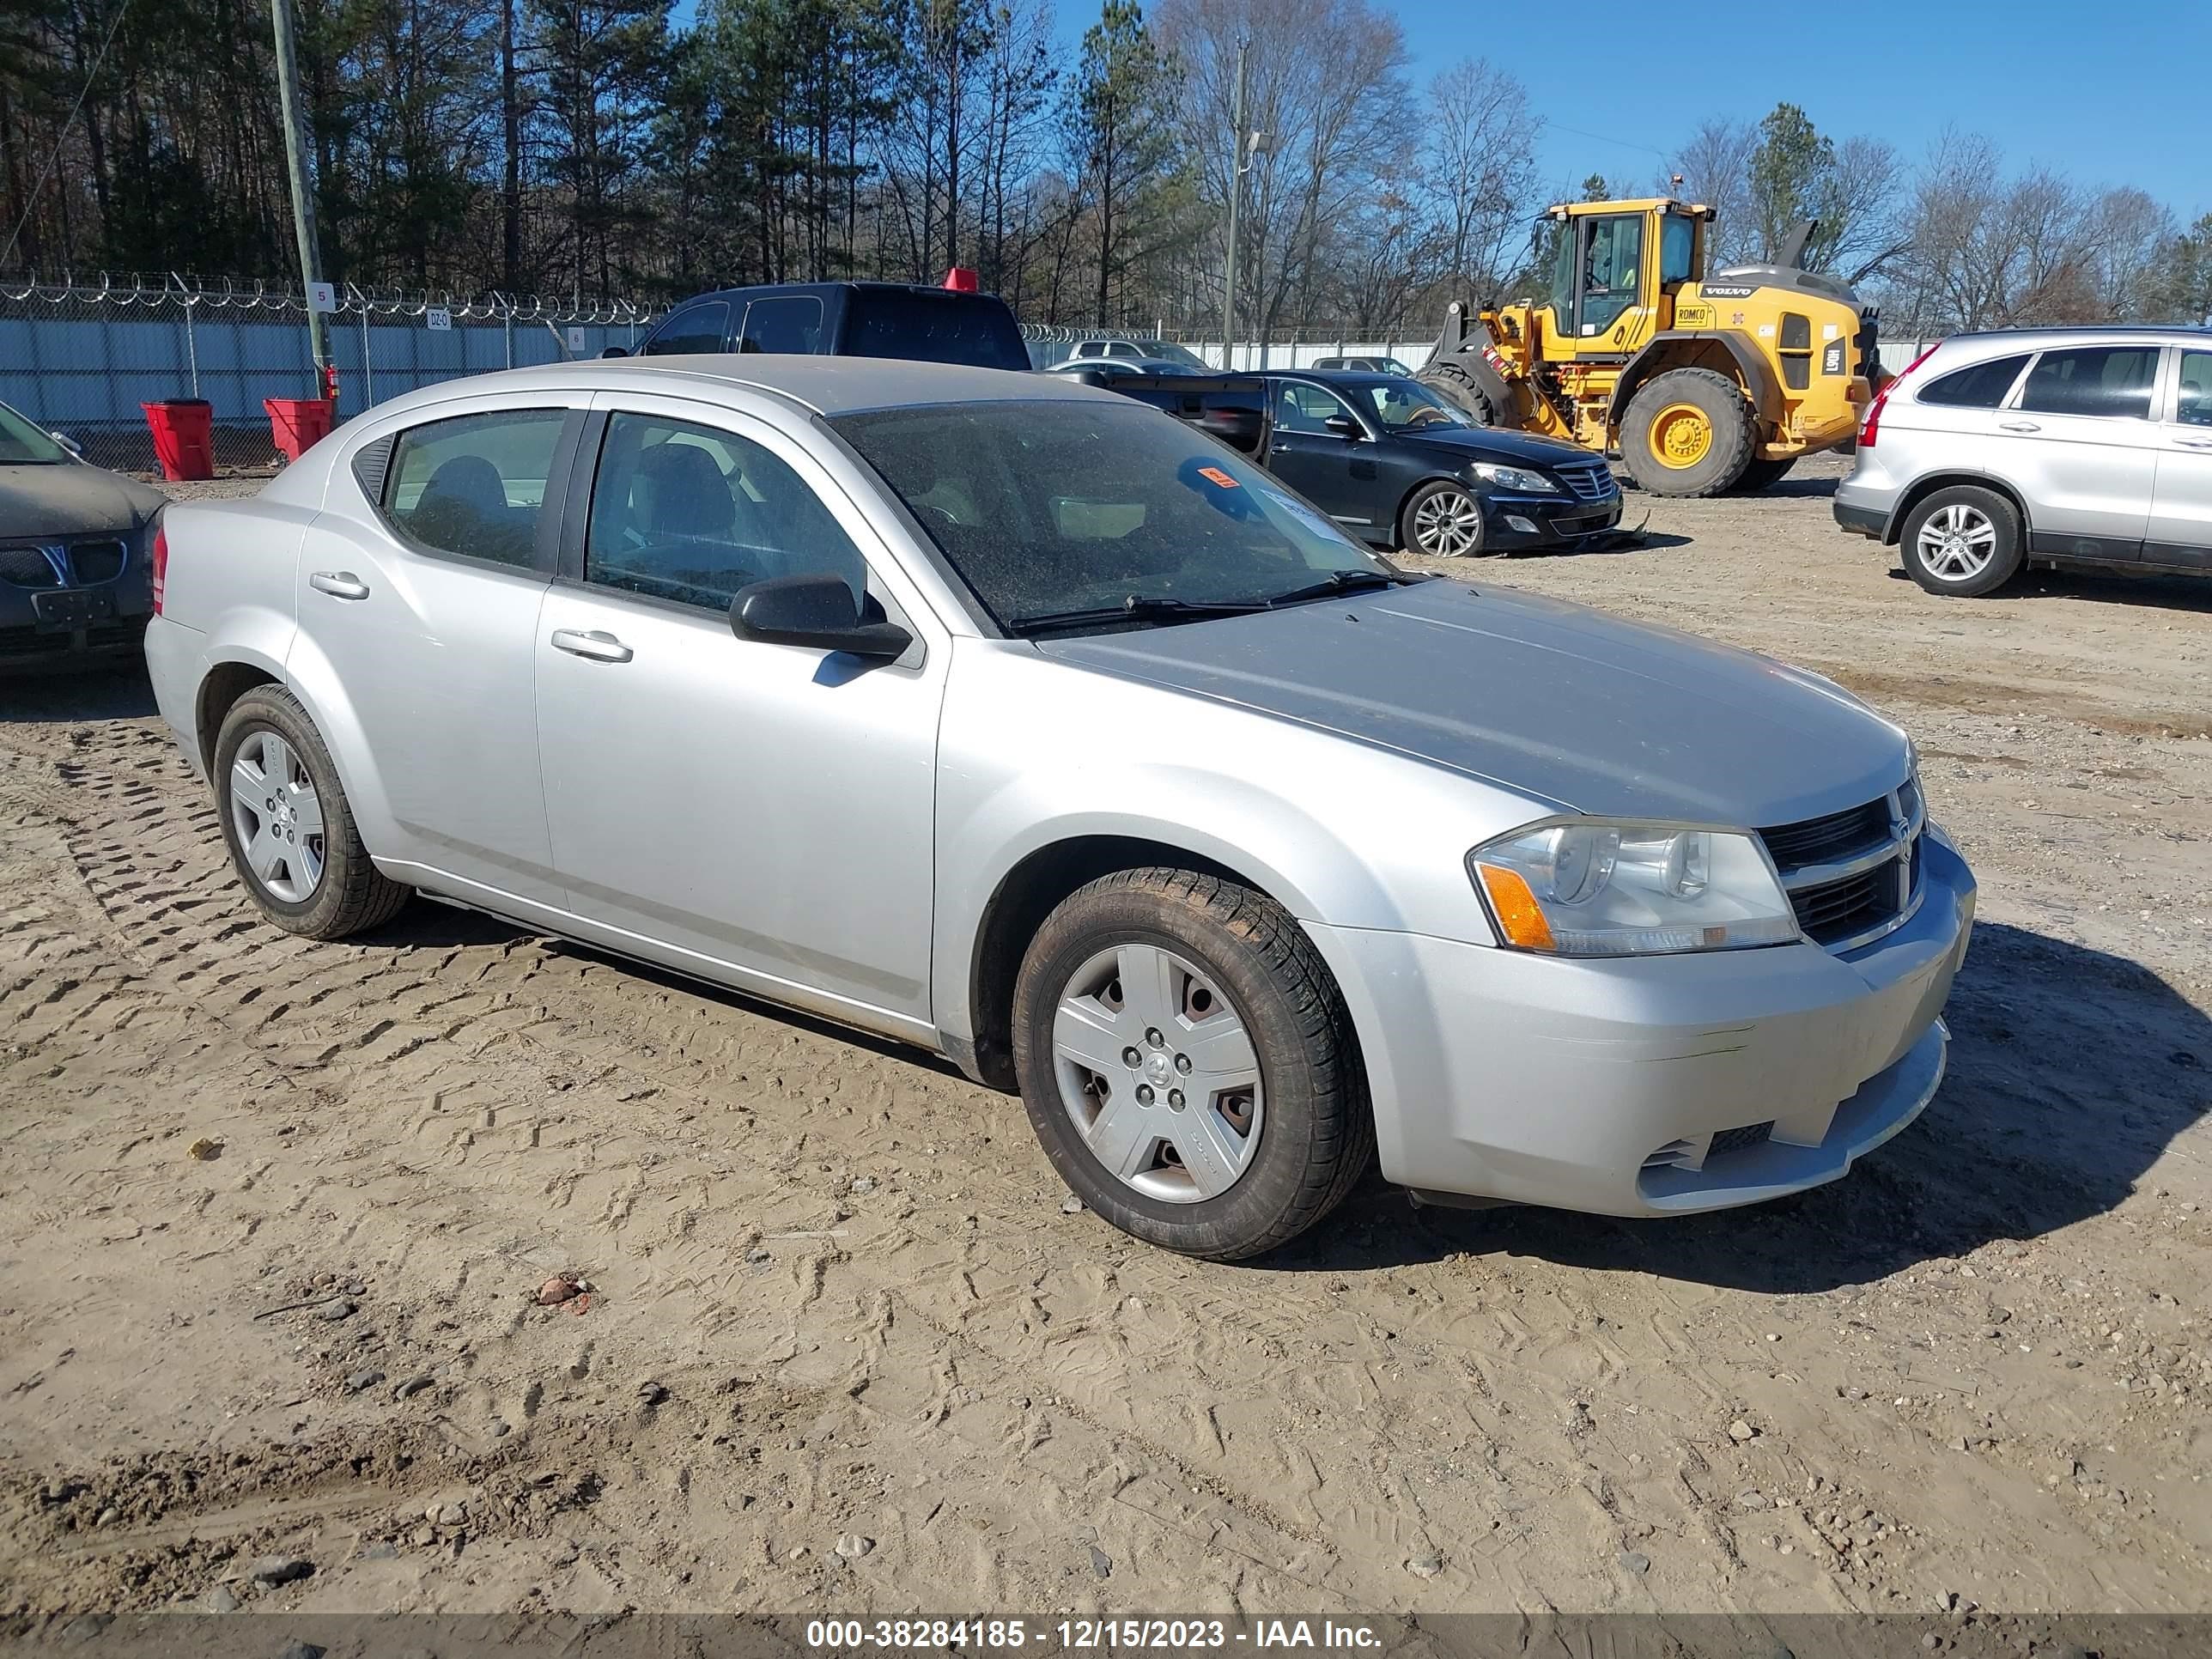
x=976, y=328
x=1982, y=386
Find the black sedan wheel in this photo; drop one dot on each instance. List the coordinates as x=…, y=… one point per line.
x=1443, y=521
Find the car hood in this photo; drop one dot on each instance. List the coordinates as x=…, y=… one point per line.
x=1557, y=702
x=72, y=500
x=1490, y=443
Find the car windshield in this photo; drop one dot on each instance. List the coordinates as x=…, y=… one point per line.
x=22, y=444
x=933, y=327
x=1402, y=405
x=1051, y=508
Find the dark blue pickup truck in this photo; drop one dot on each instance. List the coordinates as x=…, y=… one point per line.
x=846, y=320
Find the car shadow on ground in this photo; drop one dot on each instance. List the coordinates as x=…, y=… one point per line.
x=2071, y=1073
x=66, y=693
x=2165, y=592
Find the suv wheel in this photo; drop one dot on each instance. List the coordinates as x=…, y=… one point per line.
x=1187, y=1063
x=1964, y=541
x=286, y=821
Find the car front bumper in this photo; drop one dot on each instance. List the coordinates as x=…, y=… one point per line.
x=108, y=621
x=1602, y=1084
x=1546, y=521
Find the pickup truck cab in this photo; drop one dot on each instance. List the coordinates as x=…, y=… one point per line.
x=844, y=320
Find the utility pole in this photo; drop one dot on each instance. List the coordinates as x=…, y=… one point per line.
x=1235, y=197
x=303, y=202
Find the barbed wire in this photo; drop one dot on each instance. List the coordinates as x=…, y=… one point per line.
x=175, y=290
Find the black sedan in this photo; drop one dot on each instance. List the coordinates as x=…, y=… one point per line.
x=1398, y=466
x=76, y=578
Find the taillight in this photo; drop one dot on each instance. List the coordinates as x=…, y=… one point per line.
x=161, y=564
x=1872, y=425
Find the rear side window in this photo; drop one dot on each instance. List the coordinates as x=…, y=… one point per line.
x=2110, y=380
x=475, y=485
x=695, y=328
x=935, y=328
x=791, y=323
x=1982, y=386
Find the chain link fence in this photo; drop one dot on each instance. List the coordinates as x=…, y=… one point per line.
x=80, y=357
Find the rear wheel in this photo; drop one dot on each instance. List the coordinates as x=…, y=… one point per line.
x=1962, y=541
x=1187, y=1064
x=1687, y=432
x=287, y=822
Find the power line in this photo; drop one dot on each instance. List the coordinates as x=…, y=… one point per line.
x=1606, y=138
x=31, y=201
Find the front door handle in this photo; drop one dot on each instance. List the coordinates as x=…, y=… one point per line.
x=338, y=584
x=599, y=645
x=2195, y=443
x=2019, y=426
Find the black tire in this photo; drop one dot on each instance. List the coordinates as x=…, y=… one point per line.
x=351, y=895
x=1317, y=1131
x=1476, y=388
x=2008, y=549
x=1409, y=542
x=1757, y=475
x=1726, y=452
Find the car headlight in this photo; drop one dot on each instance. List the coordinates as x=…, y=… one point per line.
x=1598, y=887
x=1514, y=478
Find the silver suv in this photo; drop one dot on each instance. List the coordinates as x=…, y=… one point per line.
x=2053, y=446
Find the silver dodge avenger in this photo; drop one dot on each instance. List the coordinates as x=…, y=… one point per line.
x=1027, y=724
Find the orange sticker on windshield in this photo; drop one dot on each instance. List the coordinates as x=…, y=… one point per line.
x=1214, y=475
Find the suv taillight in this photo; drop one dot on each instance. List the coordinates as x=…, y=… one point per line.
x=160, y=563
x=1872, y=425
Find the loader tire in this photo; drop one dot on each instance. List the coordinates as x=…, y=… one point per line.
x=1687, y=432
x=1476, y=388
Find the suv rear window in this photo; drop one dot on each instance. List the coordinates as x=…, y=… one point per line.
x=976, y=328
x=1983, y=385
x=2110, y=380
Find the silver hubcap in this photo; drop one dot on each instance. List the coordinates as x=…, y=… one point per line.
x=278, y=820
x=1448, y=525
x=1957, y=543
x=1157, y=1074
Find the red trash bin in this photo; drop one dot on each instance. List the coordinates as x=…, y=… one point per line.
x=184, y=437
x=296, y=424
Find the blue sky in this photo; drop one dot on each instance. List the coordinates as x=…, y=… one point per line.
x=2116, y=93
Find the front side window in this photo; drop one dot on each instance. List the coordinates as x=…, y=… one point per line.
x=690, y=514
x=2195, y=405
x=790, y=323
x=1045, y=507
x=475, y=485
x=2114, y=381
x=1611, y=270
x=22, y=444
x=1300, y=408
x=1404, y=405
x=1982, y=386
x=693, y=329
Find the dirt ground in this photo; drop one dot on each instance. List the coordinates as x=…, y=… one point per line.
x=836, y=1299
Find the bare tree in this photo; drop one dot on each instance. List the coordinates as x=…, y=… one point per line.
x=1715, y=168
x=1479, y=166
x=2128, y=237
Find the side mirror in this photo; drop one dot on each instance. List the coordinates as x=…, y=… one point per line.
x=814, y=611
x=68, y=443
x=614, y=351
x=1344, y=426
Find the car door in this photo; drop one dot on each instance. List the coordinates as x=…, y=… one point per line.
x=759, y=814
x=2180, y=531
x=1953, y=415
x=418, y=596
x=690, y=329
x=1334, y=471
x=2083, y=450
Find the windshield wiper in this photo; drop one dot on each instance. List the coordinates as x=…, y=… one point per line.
x=1346, y=582
x=1141, y=607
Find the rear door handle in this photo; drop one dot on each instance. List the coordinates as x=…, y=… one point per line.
x=2195, y=443
x=338, y=584
x=2019, y=426
x=597, y=645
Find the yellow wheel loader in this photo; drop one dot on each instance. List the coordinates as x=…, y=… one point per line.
x=1701, y=384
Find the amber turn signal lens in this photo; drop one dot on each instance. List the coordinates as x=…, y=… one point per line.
x=1519, y=917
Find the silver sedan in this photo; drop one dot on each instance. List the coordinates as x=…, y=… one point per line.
x=1026, y=724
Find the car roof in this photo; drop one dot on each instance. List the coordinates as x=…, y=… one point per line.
x=759, y=290
x=2045, y=334
x=822, y=384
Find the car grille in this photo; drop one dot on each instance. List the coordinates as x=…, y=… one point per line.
x=1591, y=481
x=1740, y=1140
x=1855, y=875
x=98, y=561
x=28, y=567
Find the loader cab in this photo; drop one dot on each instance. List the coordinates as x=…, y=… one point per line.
x=1614, y=268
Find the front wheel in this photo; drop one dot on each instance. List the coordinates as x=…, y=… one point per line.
x=287, y=822
x=1687, y=432
x=1441, y=520
x=1187, y=1064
